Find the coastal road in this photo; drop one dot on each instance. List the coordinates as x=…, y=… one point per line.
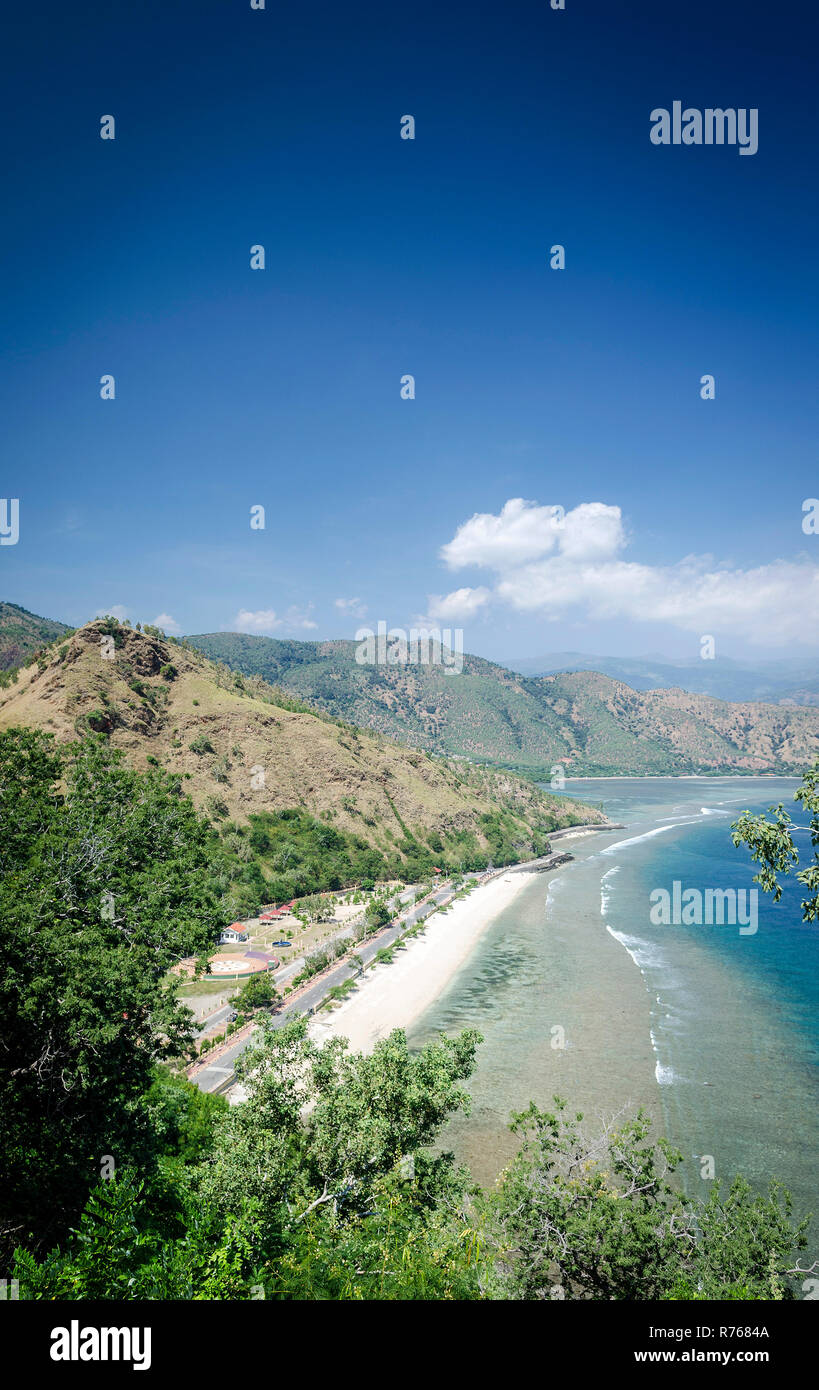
x=216, y=1075
x=220, y=1015
x=285, y=973
x=294, y=967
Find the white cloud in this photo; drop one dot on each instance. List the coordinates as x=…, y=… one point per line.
x=522, y=532
x=268, y=620
x=263, y=620
x=351, y=607
x=570, y=566
x=168, y=624
x=461, y=604
x=592, y=531
x=118, y=611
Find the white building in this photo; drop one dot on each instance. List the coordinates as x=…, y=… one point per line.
x=230, y=935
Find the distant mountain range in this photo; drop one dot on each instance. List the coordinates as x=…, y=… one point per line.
x=588, y=723
x=793, y=682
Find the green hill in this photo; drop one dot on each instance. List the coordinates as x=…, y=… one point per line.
x=23, y=633
x=586, y=722
x=252, y=756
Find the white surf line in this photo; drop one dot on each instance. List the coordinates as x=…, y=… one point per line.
x=737, y=800
x=605, y=893
x=669, y=824
x=635, y=839
x=646, y=956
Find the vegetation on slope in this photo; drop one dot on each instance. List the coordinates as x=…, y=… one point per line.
x=22, y=634
x=790, y=681
x=584, y=722
x=105, y=881
x=299, y=801
x=123, y=1182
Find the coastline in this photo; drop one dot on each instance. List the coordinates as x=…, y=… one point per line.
x=396, y=995
x=685, y=776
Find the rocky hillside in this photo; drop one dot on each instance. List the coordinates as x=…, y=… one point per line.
x=242, y=747
x=615, y=728
x=585, y=722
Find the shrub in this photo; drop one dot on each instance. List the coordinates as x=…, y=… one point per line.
x=201, y=744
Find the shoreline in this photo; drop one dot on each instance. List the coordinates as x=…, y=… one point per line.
x=687, y=777
x=395, y=995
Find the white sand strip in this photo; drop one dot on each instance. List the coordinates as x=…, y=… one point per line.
x=393, y=996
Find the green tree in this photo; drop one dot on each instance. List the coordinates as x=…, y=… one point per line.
x=377, y=915
x=106, y=883
x=256, y=993
x=321, y=1124
x=772, y=844
x=596, y=1217
x=182, y=1116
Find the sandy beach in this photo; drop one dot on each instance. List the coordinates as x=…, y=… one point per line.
x=393, y=996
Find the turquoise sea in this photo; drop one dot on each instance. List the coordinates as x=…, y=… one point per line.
x=578, y=993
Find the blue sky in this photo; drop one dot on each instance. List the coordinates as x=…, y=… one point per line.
x=578, y=388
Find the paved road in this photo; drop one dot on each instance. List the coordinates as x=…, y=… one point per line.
x=218, y=1016
x=285, y=973
x=294, y=967
x=218, y=1072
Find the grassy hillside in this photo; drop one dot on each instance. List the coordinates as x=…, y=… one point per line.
x=250, y=756
x=23, y=633
x=586, y=722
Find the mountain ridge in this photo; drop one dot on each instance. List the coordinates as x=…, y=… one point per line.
x=585, y=723
x=581, y=723
x=242, y=748
x=786, y=682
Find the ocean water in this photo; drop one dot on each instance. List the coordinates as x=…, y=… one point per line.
x=713, y=1031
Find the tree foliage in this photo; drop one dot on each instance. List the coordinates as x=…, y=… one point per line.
x=597, y=1217
x=105, y=884
x=772, y=844
x=329, y=1179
